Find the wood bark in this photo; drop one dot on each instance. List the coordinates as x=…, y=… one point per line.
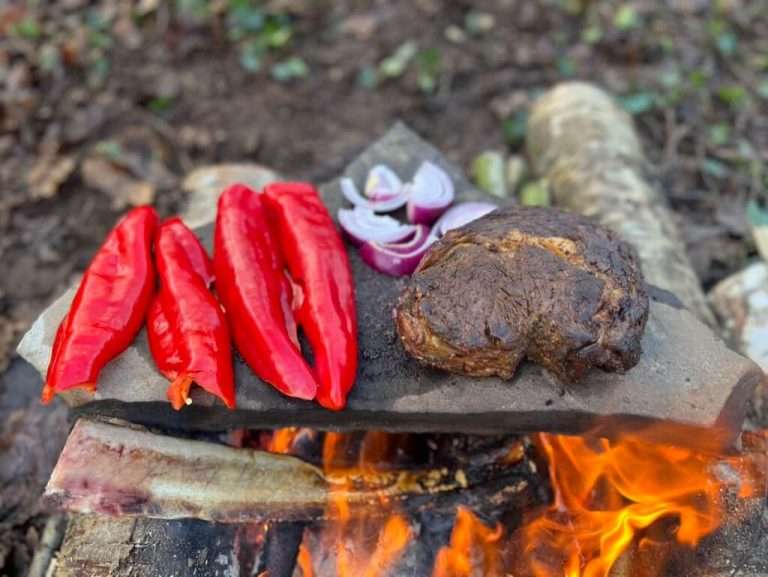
x=97, y=546
x=589, y=152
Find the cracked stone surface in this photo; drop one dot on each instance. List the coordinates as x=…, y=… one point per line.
x=686, y=379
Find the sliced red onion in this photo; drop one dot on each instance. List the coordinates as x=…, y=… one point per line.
x=398, y=259
x=382, y=183
x=461, y=214
x=388, y=204
x=429, y=195
x=362, y=224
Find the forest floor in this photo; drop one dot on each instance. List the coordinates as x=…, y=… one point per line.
x=108, y=103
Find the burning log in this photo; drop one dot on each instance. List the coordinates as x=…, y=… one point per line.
x=114, y=470
x=587, y=148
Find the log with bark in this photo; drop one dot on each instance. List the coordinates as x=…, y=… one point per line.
x=587, y=148
x=115, y=470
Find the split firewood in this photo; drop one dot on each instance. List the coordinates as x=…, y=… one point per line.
x=114, y=470
x=587, y=149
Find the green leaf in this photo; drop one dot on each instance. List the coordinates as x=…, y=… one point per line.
x=488, y=173
x=566, y=67
x=762, y=88
x=592, y=34
x=368, y=77
x=111, y=149
x=99, y=40
x=290, y=69
x=639, y=102
x=535, y=193
x=626, y=18
x=756, y=214
x=27, y=28
x=719, y=134
x=714, y=168
x=727, y=43
x=429, y=62
x=733, y=95
x=244, y=17
x=160, y=104
x=195, y=9
x=698, y=79
x=395, y=65
x=515, y=127
x=98, y=72
x=277, y=32
x=251, y=55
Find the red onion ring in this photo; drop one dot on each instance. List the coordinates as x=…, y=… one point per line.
x=388, y=204
x=398, y=259
x=361, y=224
x=461, y=214
x=430, y=194
x=382, y=183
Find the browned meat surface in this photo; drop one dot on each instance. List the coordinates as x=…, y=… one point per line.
x=526, y=283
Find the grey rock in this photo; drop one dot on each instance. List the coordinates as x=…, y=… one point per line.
x=686, y=379
x=741, y=304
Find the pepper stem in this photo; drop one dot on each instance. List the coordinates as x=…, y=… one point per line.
x=178, y=392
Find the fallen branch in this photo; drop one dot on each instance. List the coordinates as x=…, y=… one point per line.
x=588, y=150
x=115, y=470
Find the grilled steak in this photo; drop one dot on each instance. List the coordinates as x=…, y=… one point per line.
x=535, y=283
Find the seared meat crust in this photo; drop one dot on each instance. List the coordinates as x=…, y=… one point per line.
x=526, y=283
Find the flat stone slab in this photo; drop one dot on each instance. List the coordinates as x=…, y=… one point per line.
x=686, y=379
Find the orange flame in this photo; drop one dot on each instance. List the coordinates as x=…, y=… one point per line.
x=366, y=543
x=282, y=440
x=470, y=538
x=608, y=493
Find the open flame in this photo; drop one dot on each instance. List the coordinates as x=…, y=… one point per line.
x=610, y=498
x=608, y=493
x=473, y=545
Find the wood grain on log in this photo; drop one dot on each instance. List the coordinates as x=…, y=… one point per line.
x=587, y=148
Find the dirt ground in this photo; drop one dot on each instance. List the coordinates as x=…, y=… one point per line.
x=105, y=104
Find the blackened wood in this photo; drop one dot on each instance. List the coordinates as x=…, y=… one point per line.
x=281, y=548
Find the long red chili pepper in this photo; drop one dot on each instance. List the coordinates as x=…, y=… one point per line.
x=187, y=330
x=109, y=306
x=317, y=261
x=251, y=283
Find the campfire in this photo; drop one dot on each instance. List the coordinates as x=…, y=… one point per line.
x=617, y=506
x=600, y=433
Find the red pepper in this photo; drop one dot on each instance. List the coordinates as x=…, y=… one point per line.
x=251, y=283
x=187, y=330
x=318, y=264
x=109, y=306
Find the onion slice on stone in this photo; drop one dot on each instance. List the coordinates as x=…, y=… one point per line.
x=461, y=214
x=382, y=183
x=386, y=203
x=361, y=224
x=429, y=195
x=398, y=259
